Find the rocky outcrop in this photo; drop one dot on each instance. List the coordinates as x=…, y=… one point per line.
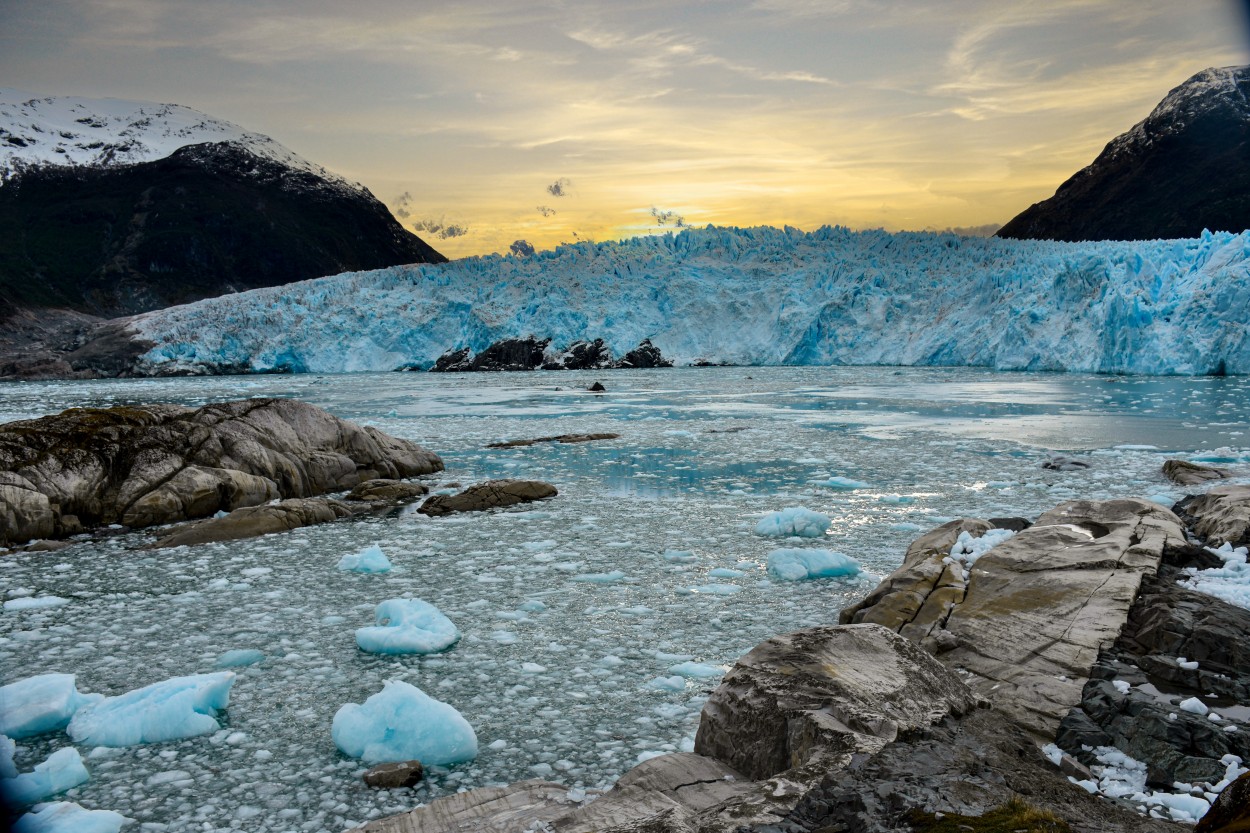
x=512, y=354
x=645, y=354
x=1028, y=619
x=454, y=361
x=388, y=491
x=254, y=521
x=583, y=355
x=531, y=353
x=1221, y=516
x=157, y=464
x=527, y=805
x=493, y=494
x=562, y=438
x=1186, y=473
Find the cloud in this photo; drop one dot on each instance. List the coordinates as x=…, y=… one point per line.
x=547, y=211
x=441, y=229
x=402, y=205
x=559, y=188
x=663, y=218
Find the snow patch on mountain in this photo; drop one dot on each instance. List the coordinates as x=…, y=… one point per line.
x=757, y=296
x=108, y=132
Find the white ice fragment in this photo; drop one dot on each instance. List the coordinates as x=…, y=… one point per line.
x=673, y=683
x=34, y=603
x=1194, y=706
x=403, y=723
x=68, y=817
x=180, y=707
x=793, y=521
x=40, y=704
x=679, y=556
x=841, y=483
x=725, y=572
x=238, y=658
x=599, y=578
x=407, y=626
x=1053, y=753
x=8, y=749
x=532, y=668
x=62, y=770
x=801, y=564
x=1186, y=664
x=1122, y=686
x=696, y=670
x=369, y=560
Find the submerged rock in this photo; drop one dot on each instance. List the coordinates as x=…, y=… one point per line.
x=1059, y=462
x=156, y=464
x=1192, y=474
x=395, y=775
x=562, y=438
x=389, y=491
x=493, y=494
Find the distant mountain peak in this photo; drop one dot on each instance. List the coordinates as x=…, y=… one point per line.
x=110, y=132
x=1183, y=168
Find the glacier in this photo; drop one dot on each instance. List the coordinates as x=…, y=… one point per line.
x=753, y=296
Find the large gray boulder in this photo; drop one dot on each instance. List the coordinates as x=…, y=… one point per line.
x=1221, y=516
x=493, y=494
x=1027, y=622
x=156, y=464
x=1192, y=474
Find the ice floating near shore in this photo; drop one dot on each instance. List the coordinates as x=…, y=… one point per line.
x=793, y=521
x=41, y=704
x=968, y=549
x=407, y=626
x=403, y=723
x=845, y=484
x=1230, y=582
x=62, y=770
x=369, y=560
x=34, y=603
x=800, y=564
x=181, y=707
x=68, y=817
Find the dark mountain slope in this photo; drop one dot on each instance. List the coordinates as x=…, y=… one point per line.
x=1183, y=169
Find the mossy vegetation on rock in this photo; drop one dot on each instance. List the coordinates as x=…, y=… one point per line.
x=1016, y=816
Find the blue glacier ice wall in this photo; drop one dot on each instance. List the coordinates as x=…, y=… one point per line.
x=757, y=296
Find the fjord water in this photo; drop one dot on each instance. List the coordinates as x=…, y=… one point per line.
x=565, y=689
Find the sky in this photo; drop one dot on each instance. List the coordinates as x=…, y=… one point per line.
x=485, y=122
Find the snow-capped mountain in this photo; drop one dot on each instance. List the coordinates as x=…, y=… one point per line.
x=112, y=207
x=1184, y=168
x=760, y=296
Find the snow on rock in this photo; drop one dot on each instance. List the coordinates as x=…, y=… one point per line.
x=41, y=704
x=62, y=770
x=793, y=521
x=369, y=560
x=968, y=548
x=111, y=132
x=1231, y=582
x=756, y=296
x=403, y=723
x=800, y=564
x=181, y=707
x=407, y=626
x=68, y=817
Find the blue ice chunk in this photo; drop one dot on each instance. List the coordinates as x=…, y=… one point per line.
x=725, y=572
x=63, y=770
x=403, y=723
x=369, y=560
x=533, y=606
x=673, y=683
x=239, y=658
x=68, y=817
x=599, y=578
x=696, y=670
x=714, y=589
x=679, y=556
x=796, y=564
x=407, y=626
x=8, y=749
x=845, y=484
x=897, y=499
x=40, y=704
x=793, y=521
x=181, y=707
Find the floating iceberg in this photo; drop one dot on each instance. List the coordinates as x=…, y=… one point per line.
x=407, y=626
x=181, y=707
x=797, y=565
x=239, y=658
x=41, y=704
x=696, y=670
x=62, y=770
x=369, y=560
x=844, y=484
x=403, y=723
x=755, y=296
x=791, y=522
x=68, y=817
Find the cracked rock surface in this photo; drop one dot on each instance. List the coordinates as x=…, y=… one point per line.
x=146, y=465
x=1221, y=516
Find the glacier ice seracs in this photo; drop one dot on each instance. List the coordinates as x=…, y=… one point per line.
x=181, y=707
x=403, y=723
x=40, y=704
x=756, y=296
x=407, y=626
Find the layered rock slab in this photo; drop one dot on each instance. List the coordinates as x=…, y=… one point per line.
x=1027, y=621
x=1221, y=516
x=156, y=464
x=493, y=494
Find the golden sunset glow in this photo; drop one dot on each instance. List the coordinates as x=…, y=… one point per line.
x=484, y=122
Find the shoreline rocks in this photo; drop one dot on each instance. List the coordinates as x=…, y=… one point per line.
x=158, y=464
x=531, y=353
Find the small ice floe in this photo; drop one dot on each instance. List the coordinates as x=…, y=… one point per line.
x=1121, y=776
x=63, y=770
x=40, y=704
x=696, y=670
x=407, y=626
x=1230, y=582
x=238, y=658
x=793, y=521
x=369, y=560
x=713, y=590
x=68, y=817
x=674, y=683
x=801, y=564
x=842, y=484
x=403, y=723
x=898, y=500
x=181, y=707
x=34, y=603
x=610, y=577
x=725, y=572
x=679, y=556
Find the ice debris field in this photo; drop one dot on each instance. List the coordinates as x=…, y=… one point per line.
x=224, y=687
x=757, y=296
